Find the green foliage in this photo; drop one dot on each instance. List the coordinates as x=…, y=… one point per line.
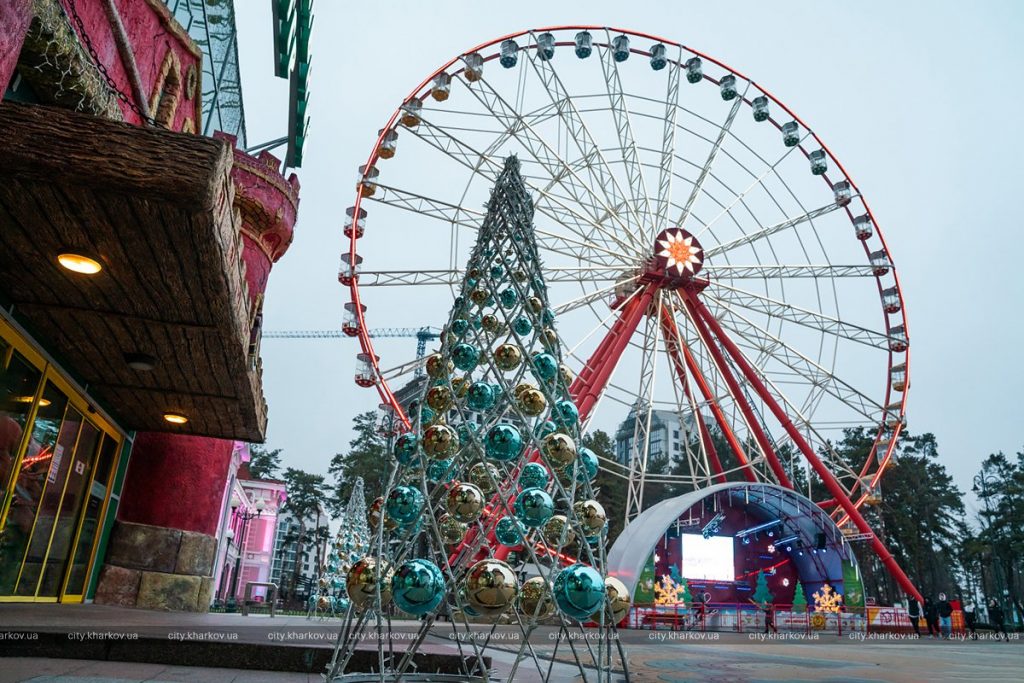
x=306, y=494
x=264, y=464
x=367, y=457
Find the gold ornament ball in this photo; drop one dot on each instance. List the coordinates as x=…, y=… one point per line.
x=460, y=386
x=558, y=533
x=323, y=603
x=566, y=374
x=439, y=398
x=479, y=296
x=535, y=305
x=591, y=516
x=438, y=366
x=508, y=357
x=490, y=323
x=465, y=502
x=532, y=402
x=535, y=598
x=618, y=601
x=374, y=515
x=474, y=273
x=519, y=275
x=560, y=449
x=323, y=582
x=521, y=389
x=440, y=441
x=451, y=529
x=482, y=475
x=491, y=587
x=549, y=339
x=363, y=579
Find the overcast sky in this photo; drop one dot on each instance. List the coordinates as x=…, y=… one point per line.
x=917, y=99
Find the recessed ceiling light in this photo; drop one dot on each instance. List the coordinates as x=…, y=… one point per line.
x=175, y=418
x=78, y=263
x=28, y=399
x=142, y=362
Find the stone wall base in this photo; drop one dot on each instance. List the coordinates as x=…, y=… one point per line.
x=153, y=567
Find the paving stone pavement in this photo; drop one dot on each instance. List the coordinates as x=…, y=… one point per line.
x=29, y=670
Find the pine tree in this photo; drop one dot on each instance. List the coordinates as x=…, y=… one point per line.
x=762, y=595
x=799, y=599
x=492, y=473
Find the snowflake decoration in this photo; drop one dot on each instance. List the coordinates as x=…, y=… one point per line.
x=681, y=252
x=668, y=592
x=827, y=600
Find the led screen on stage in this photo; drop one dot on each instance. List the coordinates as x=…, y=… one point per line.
x=708, y=558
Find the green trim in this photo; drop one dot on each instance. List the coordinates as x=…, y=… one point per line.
x=110, y=517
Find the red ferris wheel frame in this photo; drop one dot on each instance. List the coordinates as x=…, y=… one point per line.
x=596, y=373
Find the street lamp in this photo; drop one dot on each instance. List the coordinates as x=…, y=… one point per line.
x=246, y=516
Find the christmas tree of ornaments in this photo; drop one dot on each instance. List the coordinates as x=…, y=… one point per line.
x=489, y=514
x=351, y=543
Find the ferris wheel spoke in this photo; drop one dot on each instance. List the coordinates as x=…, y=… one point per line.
x=768, y=306
x=770, y=230
x=403, y=370
x=627, y=142
x=451, y=214
x=599, y=294
x=392, y=278
x=668, y=145
x=643, y=412
x=548, y=158
x=555, y=208
x=722, y=133
x=592, y=159
x=799, y=363
x=776, y=271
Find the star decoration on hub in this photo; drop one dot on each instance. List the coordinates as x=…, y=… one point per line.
x=681, y=251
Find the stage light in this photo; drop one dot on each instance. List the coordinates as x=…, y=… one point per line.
x=785, y=582
x=746, y=540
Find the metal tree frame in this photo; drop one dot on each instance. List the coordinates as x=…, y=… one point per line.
x=755, y=349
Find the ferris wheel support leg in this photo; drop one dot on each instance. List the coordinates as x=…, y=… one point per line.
x=588, y=386
x=765, y=444
x=827, y=478
x=675, y=344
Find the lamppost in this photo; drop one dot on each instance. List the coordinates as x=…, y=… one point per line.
x=245, y=516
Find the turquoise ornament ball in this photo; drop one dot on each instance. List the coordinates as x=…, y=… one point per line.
x=547, y=316
x=460, y=326
x=533, y=476
x=565, y=413
x=441, y=471
x=406, y=448
x=503, y=443
x=545, y=365
x=534, y=507
x=588, y=465
x=508, y=297
x=544, y=428
x=522, y=326
x=579, y=591
x=417, y=586
x=480, y=396
x=510, y=531
x=404, y=504
x=465, y=356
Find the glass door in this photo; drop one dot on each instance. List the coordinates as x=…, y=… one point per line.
x=91, y=517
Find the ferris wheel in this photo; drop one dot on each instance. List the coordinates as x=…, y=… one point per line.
x=722, y=289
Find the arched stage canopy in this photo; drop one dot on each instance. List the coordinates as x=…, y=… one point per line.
x=798, y=515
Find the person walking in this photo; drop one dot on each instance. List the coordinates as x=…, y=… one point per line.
x=945, y=610
x=931, y=617
x=996, y=616
x=970, y=619
x=914, y=612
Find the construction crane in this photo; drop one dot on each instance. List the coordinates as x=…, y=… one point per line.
x=422, y=335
